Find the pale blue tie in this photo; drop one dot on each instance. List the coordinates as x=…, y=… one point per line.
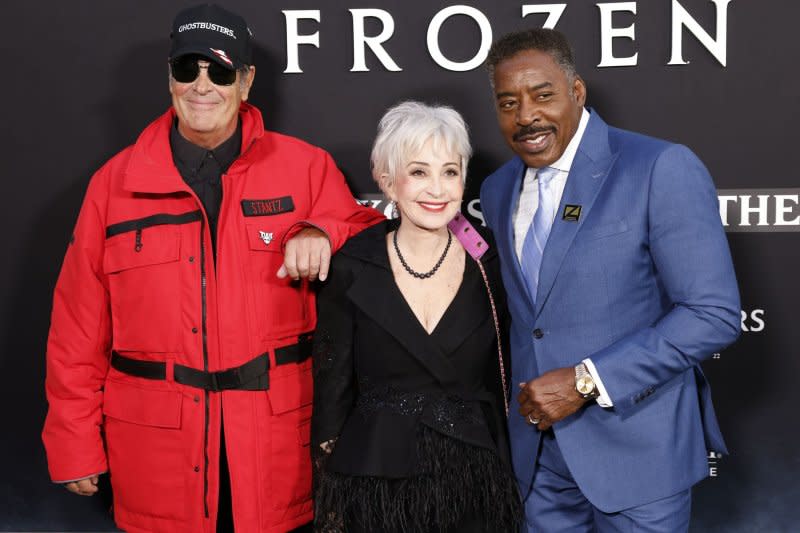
x=536, y=238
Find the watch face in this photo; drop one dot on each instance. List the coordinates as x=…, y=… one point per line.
x=585, y=385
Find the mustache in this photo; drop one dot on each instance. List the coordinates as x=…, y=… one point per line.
x=531, y=130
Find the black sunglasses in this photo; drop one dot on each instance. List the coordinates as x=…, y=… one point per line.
x=185, y=69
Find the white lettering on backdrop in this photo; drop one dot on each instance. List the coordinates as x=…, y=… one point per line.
x=717, y=46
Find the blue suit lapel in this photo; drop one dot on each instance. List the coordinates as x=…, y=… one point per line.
x=508, y=200
x=586, y=177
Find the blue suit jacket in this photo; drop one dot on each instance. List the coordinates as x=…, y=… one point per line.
x=643, y=284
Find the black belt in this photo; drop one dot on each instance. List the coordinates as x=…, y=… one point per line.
x=253, y=375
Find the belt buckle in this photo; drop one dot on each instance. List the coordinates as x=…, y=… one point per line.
x=225, y=379
x=213, y=384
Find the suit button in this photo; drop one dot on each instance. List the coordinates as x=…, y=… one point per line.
x=538, y=334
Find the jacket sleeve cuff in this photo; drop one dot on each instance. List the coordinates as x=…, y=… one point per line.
x=299, y=226
x=64, y=481
x=64, y=470
x=604, y=400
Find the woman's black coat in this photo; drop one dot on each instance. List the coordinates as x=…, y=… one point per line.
x=379, y=375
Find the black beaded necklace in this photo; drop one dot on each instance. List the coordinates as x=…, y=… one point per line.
x=431, y=272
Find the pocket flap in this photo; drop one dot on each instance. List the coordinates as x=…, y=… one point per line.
x=288, y=392
x=161, y=245
x=138, y=405
x=605, y=230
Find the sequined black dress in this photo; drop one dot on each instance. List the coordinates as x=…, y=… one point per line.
x=416, y=420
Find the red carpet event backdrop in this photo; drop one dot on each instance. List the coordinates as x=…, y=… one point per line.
x=83, y=78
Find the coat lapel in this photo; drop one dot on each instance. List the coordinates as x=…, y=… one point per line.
x=586, y=177
x=466, y=313
x=392, y=313
x=508, y=200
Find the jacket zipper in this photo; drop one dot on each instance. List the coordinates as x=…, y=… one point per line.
x=203, y=284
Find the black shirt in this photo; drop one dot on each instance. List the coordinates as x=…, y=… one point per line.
x=202, y=170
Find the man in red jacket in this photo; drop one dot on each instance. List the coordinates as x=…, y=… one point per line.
x=178, y=355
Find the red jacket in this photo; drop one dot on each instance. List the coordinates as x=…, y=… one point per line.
x=139, y=278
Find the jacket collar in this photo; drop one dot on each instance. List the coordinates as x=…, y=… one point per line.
x=369, y=245
x=151, y=168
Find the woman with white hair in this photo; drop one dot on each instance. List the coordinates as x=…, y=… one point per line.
x=408, y=426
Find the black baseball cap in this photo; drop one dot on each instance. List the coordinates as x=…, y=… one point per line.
x=212, y=32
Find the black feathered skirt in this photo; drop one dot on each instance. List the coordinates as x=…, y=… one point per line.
x=456, y=487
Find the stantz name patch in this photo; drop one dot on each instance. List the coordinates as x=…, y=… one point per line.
x=571, y=213
x=269, y=206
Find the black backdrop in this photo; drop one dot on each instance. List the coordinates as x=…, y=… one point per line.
x=81, y=78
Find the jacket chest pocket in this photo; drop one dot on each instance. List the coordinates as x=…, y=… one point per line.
x=282, y=305
x=143, y=272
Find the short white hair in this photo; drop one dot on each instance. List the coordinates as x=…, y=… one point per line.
x=407, y=127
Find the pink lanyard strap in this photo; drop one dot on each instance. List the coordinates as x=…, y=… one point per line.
x=475, y=246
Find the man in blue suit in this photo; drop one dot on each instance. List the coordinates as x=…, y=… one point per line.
x=620, y=283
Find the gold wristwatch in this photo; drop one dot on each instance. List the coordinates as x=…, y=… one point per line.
x=584, y=383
